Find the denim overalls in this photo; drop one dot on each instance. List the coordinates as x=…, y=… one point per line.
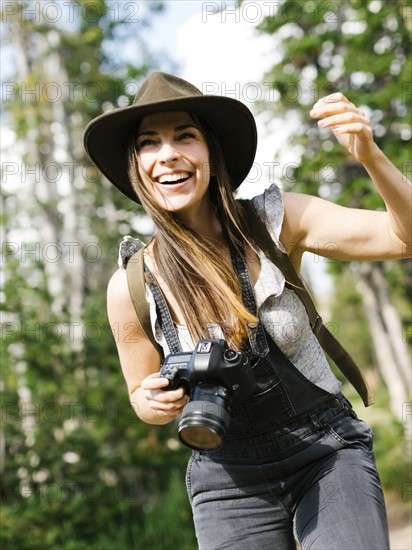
x=296, y=461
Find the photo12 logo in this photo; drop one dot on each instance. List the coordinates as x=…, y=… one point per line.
x=283, y=12
x=69, y=12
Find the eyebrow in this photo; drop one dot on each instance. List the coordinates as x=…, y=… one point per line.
x=176, y=129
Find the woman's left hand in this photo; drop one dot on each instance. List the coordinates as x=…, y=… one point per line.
x=349, y=124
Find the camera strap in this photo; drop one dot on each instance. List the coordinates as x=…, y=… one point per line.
x=262, y=238
x=257, y=339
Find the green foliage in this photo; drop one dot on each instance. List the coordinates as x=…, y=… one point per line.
x=391, y=450
x=78, y=514
x=342, y=46
x=349, y=320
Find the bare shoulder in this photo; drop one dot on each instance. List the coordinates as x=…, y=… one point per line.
x=118, y=294
x=120, y=307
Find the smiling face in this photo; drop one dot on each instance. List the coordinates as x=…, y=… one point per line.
x=173, y=161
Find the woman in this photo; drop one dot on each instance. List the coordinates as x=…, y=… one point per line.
x=296, y=461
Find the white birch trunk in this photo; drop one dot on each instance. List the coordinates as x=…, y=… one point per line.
x=387, y=338
x=62, y=232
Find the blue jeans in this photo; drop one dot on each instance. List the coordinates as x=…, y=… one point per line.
x=312, y=478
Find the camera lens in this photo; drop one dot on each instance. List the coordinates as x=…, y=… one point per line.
x=200, y=438
x=205, y=419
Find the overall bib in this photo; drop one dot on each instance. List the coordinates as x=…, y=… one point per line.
x=296, y=461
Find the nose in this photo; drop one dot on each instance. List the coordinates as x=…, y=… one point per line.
x=167, y=154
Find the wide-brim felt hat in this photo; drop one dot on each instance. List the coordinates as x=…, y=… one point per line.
x=106, y=137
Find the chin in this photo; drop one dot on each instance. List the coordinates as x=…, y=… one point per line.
x=174, y=204
x=171, y=206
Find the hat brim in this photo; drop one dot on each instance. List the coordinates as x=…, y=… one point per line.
x=105, y=137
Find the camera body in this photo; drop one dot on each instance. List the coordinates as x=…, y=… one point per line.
x=212, y=360
x=213, y=376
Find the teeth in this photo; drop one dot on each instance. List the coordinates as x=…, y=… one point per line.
x=173, y=177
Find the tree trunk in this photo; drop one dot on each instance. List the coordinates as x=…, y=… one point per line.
x=386, y=328
x=57, y=219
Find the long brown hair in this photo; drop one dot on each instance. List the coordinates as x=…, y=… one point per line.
x=204, y=285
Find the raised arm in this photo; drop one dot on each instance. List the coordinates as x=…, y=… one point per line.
x=139, y=360
x=315, y=225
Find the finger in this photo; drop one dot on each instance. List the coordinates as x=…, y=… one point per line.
x=154, y=381
x=326, y=108
x=344, y=118
x=355, y=128
x=170, y=408
x=175, y=406
x=165, y=396
x=332, y=98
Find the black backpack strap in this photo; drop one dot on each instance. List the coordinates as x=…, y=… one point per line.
x=331, y=346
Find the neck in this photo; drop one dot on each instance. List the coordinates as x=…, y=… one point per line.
x=204, y=221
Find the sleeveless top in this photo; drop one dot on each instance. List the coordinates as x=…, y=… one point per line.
x=279, y=309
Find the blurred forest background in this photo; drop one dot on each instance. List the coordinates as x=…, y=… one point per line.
x=79, y=470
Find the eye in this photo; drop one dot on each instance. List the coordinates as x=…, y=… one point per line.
x=146, y=142
x=186, y=136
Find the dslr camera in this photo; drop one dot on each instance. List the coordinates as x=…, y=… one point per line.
x=214, y=376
